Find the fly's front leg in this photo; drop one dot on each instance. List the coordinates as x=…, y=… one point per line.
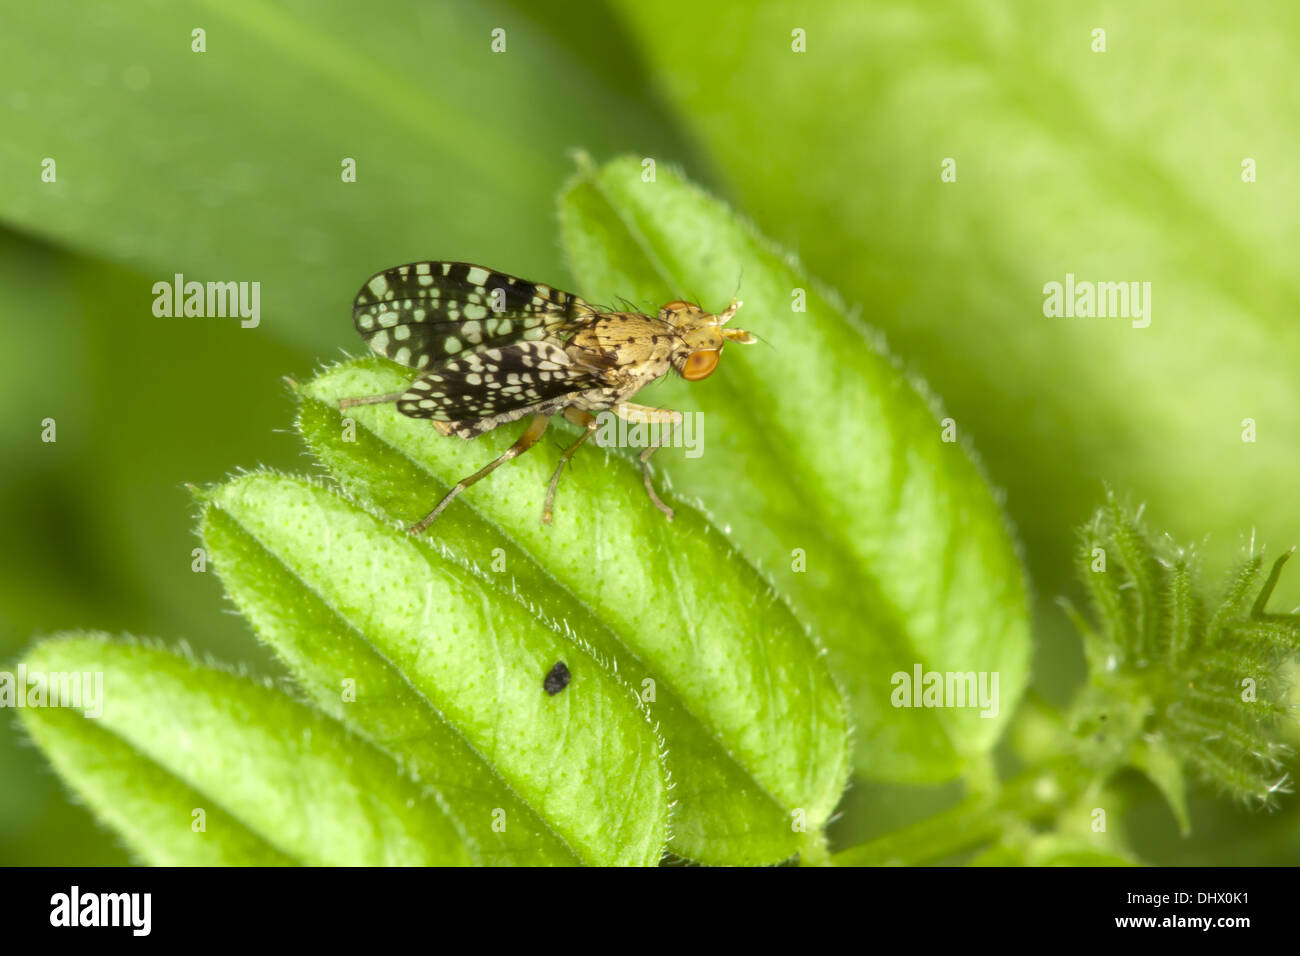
x=346, y=403
x=587, y=421
x=526, y=441
x=647, y=415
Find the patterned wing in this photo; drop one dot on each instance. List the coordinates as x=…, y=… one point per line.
x=424, y=313
x=496, y=384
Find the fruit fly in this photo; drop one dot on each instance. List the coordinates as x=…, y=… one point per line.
x=491, y=349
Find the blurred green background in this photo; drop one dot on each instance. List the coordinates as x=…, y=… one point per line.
x=1123, y=165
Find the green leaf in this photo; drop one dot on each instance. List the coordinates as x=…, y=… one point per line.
x=1162, y=767
x=278, y=783
x=756, y=730
x=1180, y=679
x=446, y=676
x=838, y=152
x=818, y=447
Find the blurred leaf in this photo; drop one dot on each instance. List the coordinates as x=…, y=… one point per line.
x=756, y=730
x=227, y=164
x=54, y=572
x=1116, y=166
x=446, y=676
x=277, y=782
x=1161, y=766
x=36, y=282
x=819, y=448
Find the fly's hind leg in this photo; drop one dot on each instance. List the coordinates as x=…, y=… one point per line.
x=587, y=421
x=647, y=415
x=526, y=441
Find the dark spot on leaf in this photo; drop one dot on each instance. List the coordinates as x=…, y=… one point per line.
x=557, y=679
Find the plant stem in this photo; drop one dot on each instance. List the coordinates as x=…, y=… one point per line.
x=1033, y=796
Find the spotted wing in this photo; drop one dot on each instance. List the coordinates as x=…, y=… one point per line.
x=424, y=313
x=496, y=383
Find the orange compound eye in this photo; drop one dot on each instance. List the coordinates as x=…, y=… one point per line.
x=700, y=365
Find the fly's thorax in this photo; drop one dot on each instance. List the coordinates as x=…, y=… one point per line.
x=625, y=342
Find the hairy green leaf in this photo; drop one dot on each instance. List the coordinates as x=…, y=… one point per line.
x=1181, y=679
x=430, y=663
x=756, y=730
x=827, y=464
x=277, y=782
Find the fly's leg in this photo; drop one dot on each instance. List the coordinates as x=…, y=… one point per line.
x=526, y=441
x=346, y=403
x=587, y=421
x=648, y=415
x=650, y=488
x=444, y=428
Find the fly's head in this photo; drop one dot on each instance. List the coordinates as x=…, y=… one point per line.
x=700, y=336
